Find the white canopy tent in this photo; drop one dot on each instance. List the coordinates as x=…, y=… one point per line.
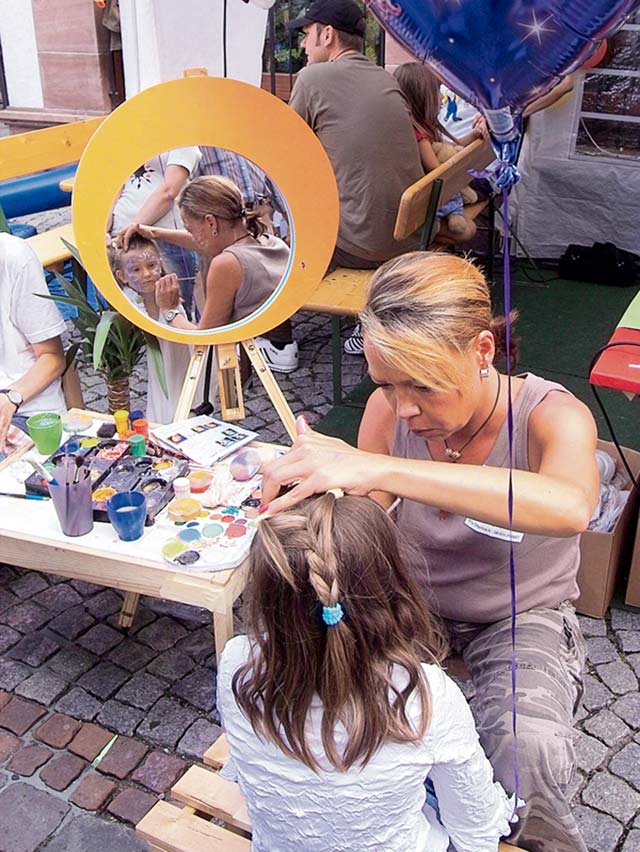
x=160, y=38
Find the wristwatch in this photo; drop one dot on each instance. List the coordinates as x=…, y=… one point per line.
x=169, y=316
x=14, y=396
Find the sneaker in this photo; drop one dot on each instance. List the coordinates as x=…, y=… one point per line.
x=280, y=357
x=354, y=345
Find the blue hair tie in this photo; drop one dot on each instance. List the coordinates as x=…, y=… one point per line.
x=331, y=615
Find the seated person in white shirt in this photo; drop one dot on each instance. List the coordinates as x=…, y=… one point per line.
x=31, y=354
x=334, y=704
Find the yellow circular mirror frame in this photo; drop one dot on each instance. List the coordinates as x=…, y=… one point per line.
x=220, y=113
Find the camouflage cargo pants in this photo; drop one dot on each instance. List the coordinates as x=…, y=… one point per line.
x=550, y=656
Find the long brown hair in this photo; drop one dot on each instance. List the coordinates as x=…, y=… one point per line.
x=220, y=197
x=425, y=308
x=421, y=88
x=323, y=552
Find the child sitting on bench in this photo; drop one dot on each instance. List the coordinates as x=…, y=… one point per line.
x=137, y=270
x=334, y=704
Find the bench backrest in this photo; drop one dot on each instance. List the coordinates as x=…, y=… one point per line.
x=449, y=178
x=37, y=150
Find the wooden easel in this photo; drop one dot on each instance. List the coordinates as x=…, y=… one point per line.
x=230, y=390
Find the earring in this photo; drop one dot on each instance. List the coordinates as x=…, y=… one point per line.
x=484, y=372
x=214, y=233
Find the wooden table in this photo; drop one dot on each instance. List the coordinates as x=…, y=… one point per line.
x=30, y=537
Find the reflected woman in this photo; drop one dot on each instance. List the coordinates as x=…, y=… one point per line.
x=247, y=264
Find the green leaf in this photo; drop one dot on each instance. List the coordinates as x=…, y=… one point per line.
x=157, y=361
x=70, y=356
x=102, y=334
x=74, y=252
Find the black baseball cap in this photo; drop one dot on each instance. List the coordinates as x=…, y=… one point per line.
x=344, y=15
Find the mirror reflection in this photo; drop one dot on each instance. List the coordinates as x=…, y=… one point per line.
x=198, y=239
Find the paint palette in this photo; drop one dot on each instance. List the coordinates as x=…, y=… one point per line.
x=217, y=540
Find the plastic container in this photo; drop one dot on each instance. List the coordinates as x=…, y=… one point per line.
x=127, y=512
x=200, y=480
x=137, y=445
x=121, y=418
x=140, y=426
x=181, y=487
x=184, y=509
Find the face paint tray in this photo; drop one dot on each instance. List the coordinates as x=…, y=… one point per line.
x=152, y=476
x=219, y=539
x=112, y=470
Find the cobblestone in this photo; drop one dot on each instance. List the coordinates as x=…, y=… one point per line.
x=43, y=686
x=8, y=638
x=57, y=731
x=131, y=805
x=92, y=792
x=79, y=704
x=58, y=598
x=29, y=758
x=29, y=585
x=628, y=708
x=199, y=689
x=120, y=717
x=8, y=745
x=600, y=832
x=103, y=680
x=34, y=650
x=18, y=716
x=104, y=603
x=122, y=758
x=159, y=771
x=142, y=690
x=601, y=650
x=26, y=617
x=618, y=677
x=622, y=619
x=162, y=634
x=72, y=623
x=632, y=842
x=172, y=665
x=626, y=764
x=131, y=655
x=606, y=726
x=71, y=662
x=590, y=752
x=629, y=641
x=100, y=639
x=62, y=771
x=12, y=673
x=166, y=723
x=200, y=736
x=596, y=694
x=89, y=741
x=86, y=833
x=611, y=795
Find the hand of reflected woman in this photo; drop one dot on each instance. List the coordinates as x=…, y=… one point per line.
x=316, y=463
x=122, y=240
x=167, y=292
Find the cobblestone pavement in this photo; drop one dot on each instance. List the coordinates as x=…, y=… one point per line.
x=70, y=680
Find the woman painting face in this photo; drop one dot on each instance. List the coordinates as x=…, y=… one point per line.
x=204, y=232
x=430, y=414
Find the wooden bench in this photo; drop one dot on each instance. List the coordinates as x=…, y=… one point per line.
x=169, y=828
x=342, y=292
x=35, y=151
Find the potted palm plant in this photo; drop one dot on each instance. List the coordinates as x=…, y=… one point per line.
x=108, y=341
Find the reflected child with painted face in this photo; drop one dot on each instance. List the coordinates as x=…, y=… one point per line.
x=138, y=270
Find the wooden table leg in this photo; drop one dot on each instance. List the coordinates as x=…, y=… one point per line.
x=223, y=628
x=129, y=609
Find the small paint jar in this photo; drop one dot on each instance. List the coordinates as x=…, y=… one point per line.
x=200, y=480
x=181, y=487
x=140, y=426
x=137, y=445
x=137, y=414
x=184, y=509
x=121, y=418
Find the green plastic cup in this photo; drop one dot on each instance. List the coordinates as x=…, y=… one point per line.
x=45, y=431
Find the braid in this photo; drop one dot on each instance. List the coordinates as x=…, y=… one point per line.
x=321, y=555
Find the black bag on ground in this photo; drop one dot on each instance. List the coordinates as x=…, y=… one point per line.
x=601, y=263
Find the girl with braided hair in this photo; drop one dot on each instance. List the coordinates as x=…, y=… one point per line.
x=334, y=704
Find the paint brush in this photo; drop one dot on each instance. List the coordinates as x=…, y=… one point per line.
x=24, y=496
x=41, y=469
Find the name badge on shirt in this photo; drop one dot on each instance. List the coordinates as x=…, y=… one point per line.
x=494, y=532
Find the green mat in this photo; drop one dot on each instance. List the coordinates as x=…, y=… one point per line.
x=562, y=325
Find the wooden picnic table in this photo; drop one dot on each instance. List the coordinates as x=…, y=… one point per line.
x=30, y=537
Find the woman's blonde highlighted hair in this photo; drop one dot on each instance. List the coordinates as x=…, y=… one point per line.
x=425, y=308
x=323, y=552
x=220, y=197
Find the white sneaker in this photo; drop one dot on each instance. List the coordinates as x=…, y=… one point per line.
x=354, y=345
x=283, y=360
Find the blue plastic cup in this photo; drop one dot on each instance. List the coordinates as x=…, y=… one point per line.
x=127, y=512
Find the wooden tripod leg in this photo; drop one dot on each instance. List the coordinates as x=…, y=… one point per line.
x=271, y=386
x=229, y=382
x=129, y=609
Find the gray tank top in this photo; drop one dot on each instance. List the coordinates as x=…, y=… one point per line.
x=263, y=263
x=468, y=569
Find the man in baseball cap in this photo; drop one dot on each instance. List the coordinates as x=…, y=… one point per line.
x=342, y=15
x=360, y=116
